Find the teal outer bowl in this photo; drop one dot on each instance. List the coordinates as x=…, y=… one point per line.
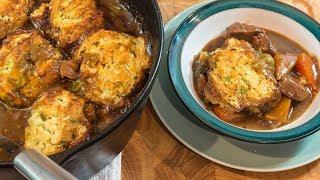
x=174, y=55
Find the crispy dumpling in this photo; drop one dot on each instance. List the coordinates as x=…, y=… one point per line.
x=112, y=64
x=57, y=122
x=238, y=77
x=13, y=15
x=65, y=21
x=28, y=66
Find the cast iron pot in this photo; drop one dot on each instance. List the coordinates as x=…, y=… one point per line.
x=93, y=155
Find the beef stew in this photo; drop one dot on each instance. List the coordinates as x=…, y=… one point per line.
x=14, y=120
x=268, y=81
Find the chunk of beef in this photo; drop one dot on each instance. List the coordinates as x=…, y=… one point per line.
x=243, y=31
x=283, y=64
x=200, y=84
x=200, y=64
x=253, y=34
x=293, y=88
x=200, y=67
x=69, y=69
x=90, y=111
x=262, y=42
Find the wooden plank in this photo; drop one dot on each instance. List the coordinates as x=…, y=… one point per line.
x=153, y=153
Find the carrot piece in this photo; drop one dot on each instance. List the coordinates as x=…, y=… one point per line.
x=227, y=115
x=308, y=68
x=280, y=113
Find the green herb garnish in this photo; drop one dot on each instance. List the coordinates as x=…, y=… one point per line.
x=75, y=85
x=227, y=78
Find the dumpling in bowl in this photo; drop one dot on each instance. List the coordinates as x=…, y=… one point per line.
x=112, y=64
x=65, y=21
x=28, y=66
x=58, y=121
x=13, y=15
x=238, y=77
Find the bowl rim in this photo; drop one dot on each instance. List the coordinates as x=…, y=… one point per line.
x=174, y=58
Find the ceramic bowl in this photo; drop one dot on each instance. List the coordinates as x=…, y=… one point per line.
x=209, y=22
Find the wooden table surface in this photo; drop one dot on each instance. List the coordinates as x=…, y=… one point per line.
x=153, y=153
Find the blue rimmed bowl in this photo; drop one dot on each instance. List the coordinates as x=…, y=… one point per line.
x=209, y=22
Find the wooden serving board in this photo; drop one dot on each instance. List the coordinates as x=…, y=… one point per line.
x=153, y=153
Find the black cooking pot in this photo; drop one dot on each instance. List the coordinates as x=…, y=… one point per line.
x=93, y=155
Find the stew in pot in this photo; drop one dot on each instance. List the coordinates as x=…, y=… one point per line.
x=68, y=69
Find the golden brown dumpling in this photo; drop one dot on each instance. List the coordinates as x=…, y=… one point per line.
x=236, y=78
x=112, y=64
x=65, y=21
x=13, y=15
x=57, y=122
x=28, y=66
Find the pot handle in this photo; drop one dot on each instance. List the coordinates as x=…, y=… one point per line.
x=34, y=165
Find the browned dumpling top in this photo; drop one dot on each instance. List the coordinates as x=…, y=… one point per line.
x=65, y=21
x=28, y=66
x=235, y=79
x=112, y=64
x=13, y=15
x=57, y=122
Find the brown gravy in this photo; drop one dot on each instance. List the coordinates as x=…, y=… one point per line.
x=258, y=122
x=13, y=123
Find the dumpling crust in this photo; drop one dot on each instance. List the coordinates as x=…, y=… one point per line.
x=112, y=64
x=57, y=122
x=65, y=21
x=28, y=66
x=13, y=15
x=235, y=79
